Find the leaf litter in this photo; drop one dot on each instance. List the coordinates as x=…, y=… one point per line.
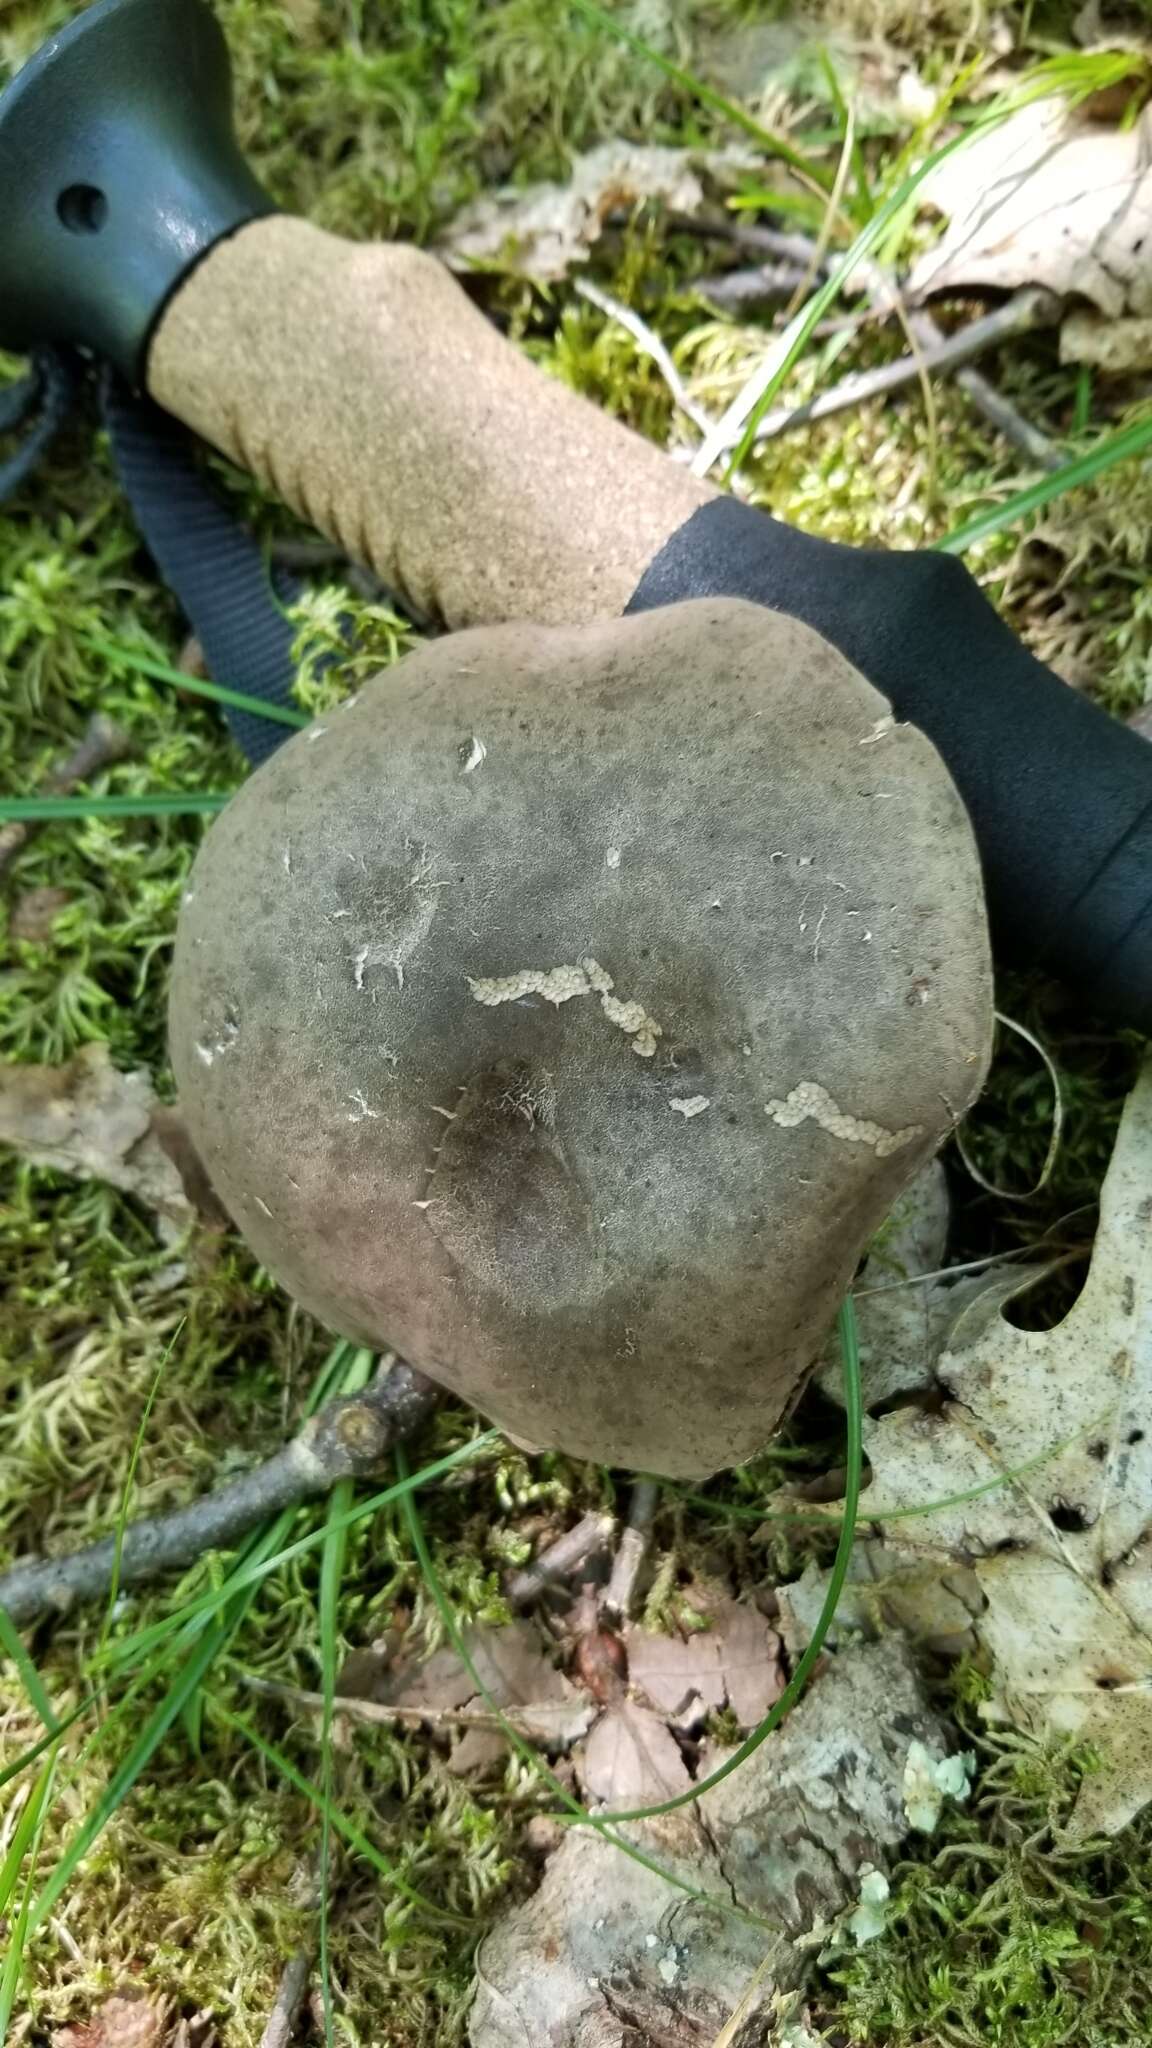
x=87, y=1119
x=1061, y=1548
x=544, y=231
x=1057, y=198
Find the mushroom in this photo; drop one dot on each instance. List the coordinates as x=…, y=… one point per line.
x=568, y=1010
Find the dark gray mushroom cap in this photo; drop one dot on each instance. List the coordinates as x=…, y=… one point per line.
x=568, y=1011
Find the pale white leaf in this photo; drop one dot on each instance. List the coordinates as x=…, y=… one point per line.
x=1053, y=198
x=1041, y=1469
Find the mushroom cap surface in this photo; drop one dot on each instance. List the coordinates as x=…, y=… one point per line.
x=568, y=1010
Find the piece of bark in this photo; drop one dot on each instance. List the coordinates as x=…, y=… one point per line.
x=607, y=1953
x=86, y=1118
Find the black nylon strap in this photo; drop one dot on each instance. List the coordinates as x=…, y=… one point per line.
x=214, y=567
x=45, y=396
x=1059, y=793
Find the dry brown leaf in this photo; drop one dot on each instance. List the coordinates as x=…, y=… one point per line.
x=887, y=1589
x=631, y=1759
x=673, y=1671
x=35, y=911
x=749, y=1661
x=542, y=231
x=1063, y=1550
x=126, y=2020
x=518, y=1675
x=1052, y=198
x=736, y=1662
x=87, y=1119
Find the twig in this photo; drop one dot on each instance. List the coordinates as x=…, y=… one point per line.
x=780, y=245
x=290, y=1996
x=786, y=247
x=382, y=1714
x=1021, y=314
x=102, y=744
x=566, y=1555
x=652, y=346
x=1003, y=415
x=734, y=291
x=633, y=1546
x=346, y=1440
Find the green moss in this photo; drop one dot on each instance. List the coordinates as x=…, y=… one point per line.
x=999, y=1934
x=379, y=120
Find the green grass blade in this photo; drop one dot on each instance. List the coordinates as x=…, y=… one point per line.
x=341, y=1824
x=13, y=1646
x=854, y=1463
x=129, y=1483
x=44, y=810
x=124, y=1779
x=332, y=1558
x=22, y=1835
x=220, y=693
x=25, y=1844
x=207, y=1604
x=1114, y=448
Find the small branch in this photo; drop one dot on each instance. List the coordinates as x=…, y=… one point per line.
x=102, y=743
x=633, y=1548
x=380, y=1714
x=652, y=346
x=292, y=1992
x=348, y=1439
x=561, y=1559
x=778, y=245
x=736, y=291
x=785, y=247
x=1004, y=417
x=1021, y=314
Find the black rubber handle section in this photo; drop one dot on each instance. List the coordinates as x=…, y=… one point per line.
x=1059, y=793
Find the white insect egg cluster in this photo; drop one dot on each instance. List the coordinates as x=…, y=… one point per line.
x=559, y=984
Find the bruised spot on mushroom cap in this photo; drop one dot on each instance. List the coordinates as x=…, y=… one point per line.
x=435, y=1090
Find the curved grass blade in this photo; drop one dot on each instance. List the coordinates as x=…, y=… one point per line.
x=574, y=1812
x=339, y=1821
x=220, y=693
x=1119, y=447
x=44, y=810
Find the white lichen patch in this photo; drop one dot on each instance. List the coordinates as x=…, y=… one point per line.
x=810, y=1103
x=690, y=1105
x=929, y=1780
x=559, y=984
x=209, y=1050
